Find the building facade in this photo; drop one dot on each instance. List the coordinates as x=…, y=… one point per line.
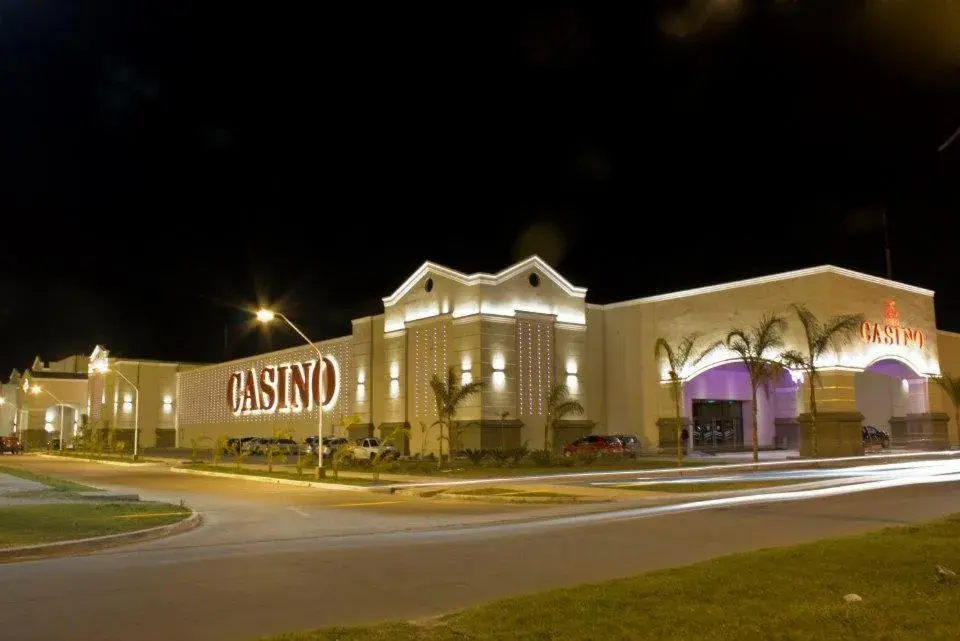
x=526, y=330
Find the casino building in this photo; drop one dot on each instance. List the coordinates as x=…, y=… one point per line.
x=526, y=329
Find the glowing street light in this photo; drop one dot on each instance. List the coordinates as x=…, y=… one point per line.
x=102, y=367
x=265, y=316
x=36, y=390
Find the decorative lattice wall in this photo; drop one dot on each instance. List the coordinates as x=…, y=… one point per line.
x=203, y=392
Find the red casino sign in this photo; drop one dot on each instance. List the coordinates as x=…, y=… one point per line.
x=288, y=387
x=891, y=331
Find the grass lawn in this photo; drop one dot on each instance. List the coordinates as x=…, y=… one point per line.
x=791, y=593
x=720, y=486
x=55, y=483
x=32, y=524
x=309, y=474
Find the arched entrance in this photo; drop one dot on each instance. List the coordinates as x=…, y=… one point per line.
x=894, y=398
x=719, y=402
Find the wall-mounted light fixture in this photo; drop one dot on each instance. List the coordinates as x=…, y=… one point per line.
x=167, y=404
x=905, y=385
x=466, y=371
x=394, y=380
x=361, y=384
x=573, y=380
x=127, y=402
x=499, y=364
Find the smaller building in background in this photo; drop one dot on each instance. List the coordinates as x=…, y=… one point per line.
x=121, y=387
x=50, y=399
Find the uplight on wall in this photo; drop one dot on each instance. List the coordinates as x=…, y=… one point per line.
x=905, y=385
x=127, y=402
x=361, y=384
x=499, y=363
x=573, y=380
x=167, y=404
x=466, y=371
x=394, y=380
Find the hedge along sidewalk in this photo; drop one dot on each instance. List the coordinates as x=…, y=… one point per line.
x=92, y=544
x=794, y=593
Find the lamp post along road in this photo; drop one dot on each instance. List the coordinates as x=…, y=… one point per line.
x=136, y=413
x=103, y=369
x=265, y=316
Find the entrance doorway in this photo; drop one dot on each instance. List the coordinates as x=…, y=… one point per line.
x=717, y=424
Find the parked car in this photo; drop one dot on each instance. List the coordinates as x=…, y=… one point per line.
x=600, y=444
x=10, y=444
x=875, y=437
x=234, y=443
x=330, y=444
x=368, y=448
x=632, y=445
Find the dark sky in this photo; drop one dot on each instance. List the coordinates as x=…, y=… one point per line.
x=165, y=164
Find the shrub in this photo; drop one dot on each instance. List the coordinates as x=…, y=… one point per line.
x=542, y=458
x=517, y=454
x=500, y=456
x=476, y=456
x=587, y=457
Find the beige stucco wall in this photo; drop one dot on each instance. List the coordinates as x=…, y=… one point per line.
x=112, y=401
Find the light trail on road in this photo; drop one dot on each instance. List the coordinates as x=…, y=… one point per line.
x=706, y=469
x=886, y=470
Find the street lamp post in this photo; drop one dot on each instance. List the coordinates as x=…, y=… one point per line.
x=265, y=316
x=103, y=369
x=36, y=389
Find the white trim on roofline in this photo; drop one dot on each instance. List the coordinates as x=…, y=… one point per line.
x=481, y=278
x=761, y=280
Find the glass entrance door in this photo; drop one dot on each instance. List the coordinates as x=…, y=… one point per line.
x=717, y=424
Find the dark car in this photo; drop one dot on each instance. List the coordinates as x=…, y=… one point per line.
x=875, y=437
x=10, y=444
x=600, y=444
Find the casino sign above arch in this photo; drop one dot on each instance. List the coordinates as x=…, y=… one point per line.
x=891, y=331
x=284, y=388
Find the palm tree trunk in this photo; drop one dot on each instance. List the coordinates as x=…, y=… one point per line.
x=677, y=390
x=813, y=417
x=756, y=431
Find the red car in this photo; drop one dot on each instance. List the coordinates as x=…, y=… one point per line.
x=598, y=443
x=10, y=444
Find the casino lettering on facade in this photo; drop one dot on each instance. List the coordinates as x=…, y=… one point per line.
x=891, y=332
x=291, y=387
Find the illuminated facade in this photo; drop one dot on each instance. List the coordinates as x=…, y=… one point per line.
x=525, y=330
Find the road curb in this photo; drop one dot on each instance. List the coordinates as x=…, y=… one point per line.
x=494, y=498
x=275, y=481
x=54, y=457
x=80, y=546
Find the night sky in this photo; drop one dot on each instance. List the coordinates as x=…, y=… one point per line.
x=168, y=164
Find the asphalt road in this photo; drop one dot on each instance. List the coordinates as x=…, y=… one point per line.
x=276, y=558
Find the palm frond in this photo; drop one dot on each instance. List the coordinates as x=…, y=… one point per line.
x=739, y=342
x=465, y=392
x=769, y=333
x=664, y=349
x=839, y=332
x=950, y=385
x=567, y=407
x=793, y=358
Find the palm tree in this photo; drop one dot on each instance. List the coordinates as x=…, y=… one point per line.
x=450, y=395
x=559, y=405
x=679, y=359
x=951, y=386
x=752, y=346
x=833, y=335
